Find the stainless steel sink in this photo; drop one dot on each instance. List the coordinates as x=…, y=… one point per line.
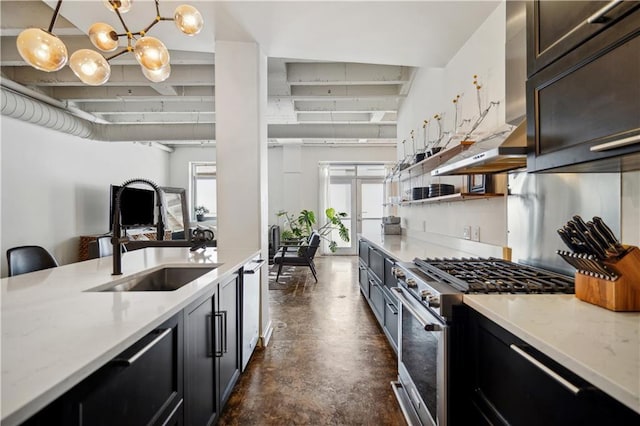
x=165, y=279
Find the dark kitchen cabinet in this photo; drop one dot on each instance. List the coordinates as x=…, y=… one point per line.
x=141, y=385
x=363, y=252
x=377, y=298
x=212, y=356
x=363, y=279
x=391, y=318
x=376, y=263
x=510, y=382
x=583, y=98
x=201, y=392
x=376, y=278
x=557, y=27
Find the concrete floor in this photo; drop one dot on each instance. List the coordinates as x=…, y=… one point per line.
x=328, y=362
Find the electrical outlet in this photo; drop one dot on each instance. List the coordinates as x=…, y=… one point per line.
x=466, y=232
x=475, y=233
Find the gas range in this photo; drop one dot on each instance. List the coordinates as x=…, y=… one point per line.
x=440, y=283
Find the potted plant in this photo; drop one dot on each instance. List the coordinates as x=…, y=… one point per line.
x=301, y=227
x=200, y=212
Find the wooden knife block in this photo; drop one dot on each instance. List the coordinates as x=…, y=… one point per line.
x=622, y=294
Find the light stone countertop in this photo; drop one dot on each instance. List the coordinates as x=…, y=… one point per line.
x=55, y=334
x=601, y=346
x=405, y=248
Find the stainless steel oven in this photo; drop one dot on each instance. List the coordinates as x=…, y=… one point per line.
x=422, y=361
x=430, y=293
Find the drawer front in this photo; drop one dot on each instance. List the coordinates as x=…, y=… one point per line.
x=363, y=251
x=377, y=298
x=364, y=279
x=376, y=263
x=143, y=385
x=575, y=105
x=391, y=320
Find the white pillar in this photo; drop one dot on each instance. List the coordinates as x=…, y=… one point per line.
x=241, y=154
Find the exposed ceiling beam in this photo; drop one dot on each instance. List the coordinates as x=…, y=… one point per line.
x=344, y=91
x=133, y=93
x=345, y=74
x=330, y=117
x=167, y=105
x=385, y=104
x=161, y=117
x=332, y=131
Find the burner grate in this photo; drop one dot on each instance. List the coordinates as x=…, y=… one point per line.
x=478, y=275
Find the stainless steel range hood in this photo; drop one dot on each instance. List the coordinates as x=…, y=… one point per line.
x=493, y=155
x=505, y=149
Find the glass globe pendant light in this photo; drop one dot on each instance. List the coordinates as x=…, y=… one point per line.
x=90, y=67
x=188, y=19
x=157, y=76
x=103, y=36
x=123, y=6
x=42, y=50
x=151, y=53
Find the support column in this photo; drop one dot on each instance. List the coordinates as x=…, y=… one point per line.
x=241, y=156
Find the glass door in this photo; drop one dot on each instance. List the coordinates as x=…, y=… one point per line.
x=361, y=199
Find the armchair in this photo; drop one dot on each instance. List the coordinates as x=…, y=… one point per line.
x=298, y=255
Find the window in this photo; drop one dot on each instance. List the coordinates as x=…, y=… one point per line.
x=203, y=187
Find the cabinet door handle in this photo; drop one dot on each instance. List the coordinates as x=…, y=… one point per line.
x=256, y=268
x=224, y=331
x=208, y=329
x=558, y=378
x=137, y=355
x=615, y=144
x=219, y=353
x=392, y=308
x=599, y=15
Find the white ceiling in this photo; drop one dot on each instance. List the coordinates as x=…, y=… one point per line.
x=398, y=34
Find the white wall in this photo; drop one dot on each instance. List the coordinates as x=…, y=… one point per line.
x=55, y=187
x=630, y=220
x=432, y=93
x=293, y=173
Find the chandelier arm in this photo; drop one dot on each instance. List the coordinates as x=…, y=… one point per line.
x=155, y=21
x=124, y=25
x=157, y=7
x=55, y=16
x=122, y=52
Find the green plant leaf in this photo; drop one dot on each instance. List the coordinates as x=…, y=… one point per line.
x=333, y=246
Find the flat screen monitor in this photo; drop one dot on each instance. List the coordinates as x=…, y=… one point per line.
x=136, y=207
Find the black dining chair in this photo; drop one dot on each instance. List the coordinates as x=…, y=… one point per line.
x=298, y=255
x=25, y=259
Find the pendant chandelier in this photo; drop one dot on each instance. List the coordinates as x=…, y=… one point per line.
x=43, y=50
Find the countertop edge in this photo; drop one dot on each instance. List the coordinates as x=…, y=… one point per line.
x=24, y=412
x=605, y=384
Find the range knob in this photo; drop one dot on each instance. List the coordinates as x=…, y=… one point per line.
x=424, y=294
x=411, y=282
x=399, y=273
x=434, y=301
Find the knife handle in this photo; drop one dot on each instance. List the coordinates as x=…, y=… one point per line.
x=580, y=223
x=606, y=231
x=602, y=241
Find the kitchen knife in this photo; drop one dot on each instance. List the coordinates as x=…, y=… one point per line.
x=566, y=239
x=600, y=250
x=609, y=248
x=580, y=223
x=606, y=232
x=579, y=235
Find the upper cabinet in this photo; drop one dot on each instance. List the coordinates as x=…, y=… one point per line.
x=583, y=95
x=556, y=27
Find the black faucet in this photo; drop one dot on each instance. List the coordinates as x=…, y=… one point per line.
x=117, y=240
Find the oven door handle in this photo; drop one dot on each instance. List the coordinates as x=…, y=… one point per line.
x=428, y=323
